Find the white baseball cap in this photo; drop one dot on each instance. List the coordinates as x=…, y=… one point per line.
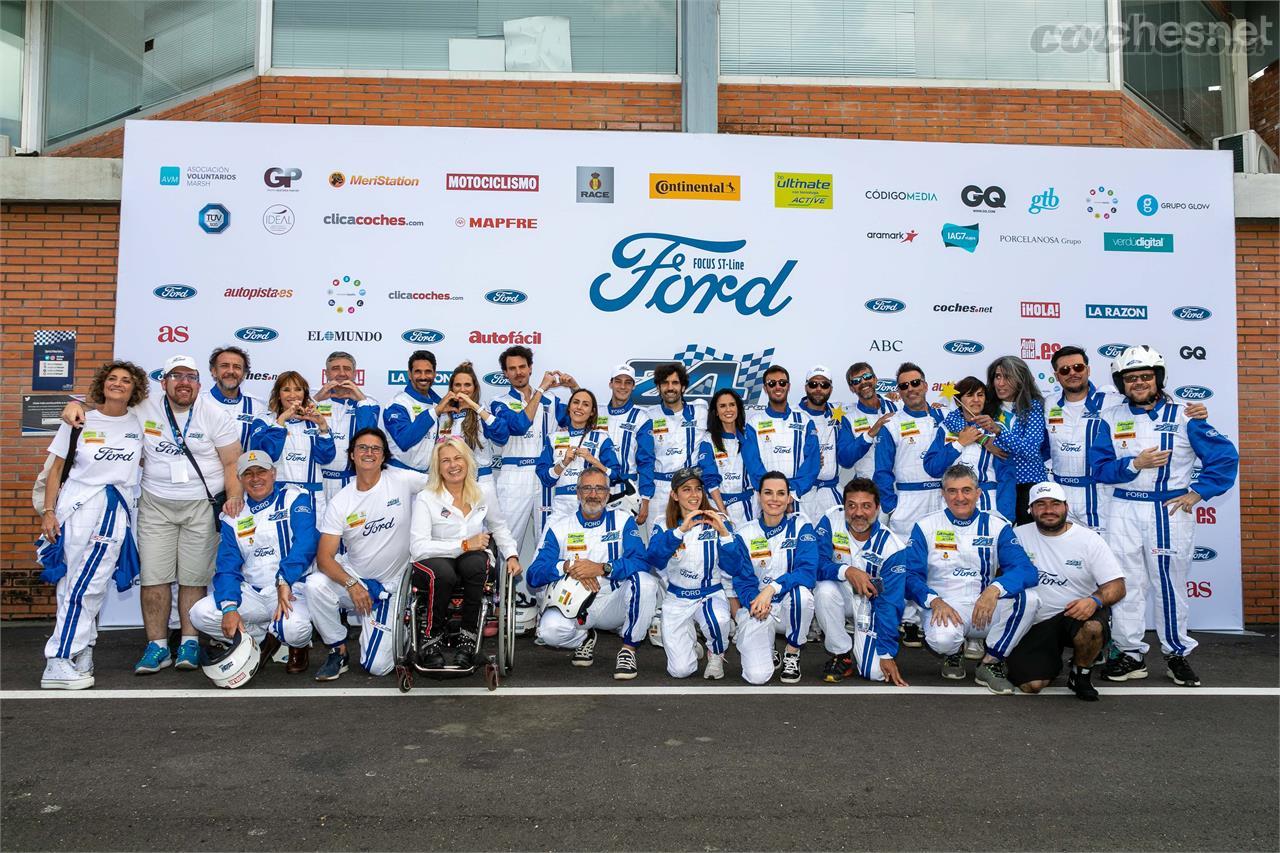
x=817, y=370
x=1048, y=490
x=180, y=361
x=622, y=370
x=253, y=459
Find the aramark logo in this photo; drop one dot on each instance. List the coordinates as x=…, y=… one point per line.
x=960, y=236
x=884, y=305
x=672, y=293
x=709, y=371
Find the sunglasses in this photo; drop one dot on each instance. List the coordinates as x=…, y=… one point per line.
x=1068, y=369
x=914, y=383
x=777, y=383
x=818, y=385
x=1130, y=378
x=866, y=377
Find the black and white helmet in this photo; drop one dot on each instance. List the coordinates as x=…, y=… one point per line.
x=1141, y=357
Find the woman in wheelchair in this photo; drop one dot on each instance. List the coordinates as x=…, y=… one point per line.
x=450, y=540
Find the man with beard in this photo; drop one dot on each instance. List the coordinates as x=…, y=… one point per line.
x=410, y=416
x=779, y=438
x=835, y=442
x=229, y=366
x=674, y=438
x=867, y=418
x=348, y=410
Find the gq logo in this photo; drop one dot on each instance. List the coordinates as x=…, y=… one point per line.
x=975, y=196
x=214, y=218
x=1189, y=353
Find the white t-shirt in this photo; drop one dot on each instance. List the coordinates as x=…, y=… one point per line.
x=1071, y=565
x=108, y=453
x=374, y=525
x=167, y=473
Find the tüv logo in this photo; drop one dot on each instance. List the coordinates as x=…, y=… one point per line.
x=1192, y=392
x=422, y=336
x=496, y=379
x=1204, y=553
x=963, y=347
x=1192, y=312
x=256, y=334
x=885, y=306
x=1112, y=350
x=505, y=297
x=960, y=236
x=174, y=291
x=672, y=293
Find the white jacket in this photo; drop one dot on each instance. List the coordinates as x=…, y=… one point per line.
x=438, y=527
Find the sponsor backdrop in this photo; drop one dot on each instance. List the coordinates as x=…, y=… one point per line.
x=728, y=253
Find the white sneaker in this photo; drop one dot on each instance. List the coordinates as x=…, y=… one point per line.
x=974, y=649
x=715, y=667
x=84, y=661
x=699, y=650
x=281, y=655
x=61, y=674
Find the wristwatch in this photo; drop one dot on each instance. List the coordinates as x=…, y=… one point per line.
x=350, y=582
x=608, y=569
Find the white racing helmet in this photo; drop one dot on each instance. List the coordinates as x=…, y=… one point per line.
x=1141, y=357
x=571, y=598
x=234, y=666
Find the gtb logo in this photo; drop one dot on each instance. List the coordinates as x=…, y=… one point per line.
x=1206, y=515
x=975, y=196
x=1189, y=353
x=173, y=335
x=709, y=372
x=1199, y=589
x=281, y=179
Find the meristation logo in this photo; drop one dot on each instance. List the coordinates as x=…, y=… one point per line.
x=1041, y=310
x=256, y=334
x=214, y=219
x=209, y=176
x=251, y=293
x=282, y=180
x=1095, y=311
x=803, y=190
x=337, y=180
x=479, y=182
x=885, y=305
x=498, y=223
x=1192, y=312
x=422, y=336
x=960, y=236
x=707, y=187
x=505, y=338
x=278, y=219
x=1125, y=241
x=371, y=219
x=1047, y=200
x=899, y=195
x=893, y=236
x=506, y=297
x=346, y=294
x=594, y=185
x=963, y=347
x=1102, y=203
x=174, y=291
x=987, y=200
x=330, y=336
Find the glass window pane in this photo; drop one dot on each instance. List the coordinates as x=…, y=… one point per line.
x=12, y=42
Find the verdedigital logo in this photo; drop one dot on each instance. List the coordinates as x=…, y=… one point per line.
x=374, y=220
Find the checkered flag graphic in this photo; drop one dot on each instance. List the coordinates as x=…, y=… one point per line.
x=751, y=367
x=44, y=337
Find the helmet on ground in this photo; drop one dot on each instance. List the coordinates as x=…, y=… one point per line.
x=234, y=666
x=571, y=597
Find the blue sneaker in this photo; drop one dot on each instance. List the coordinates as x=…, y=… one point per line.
x=334, y=665
x=188, y=656
x=154, y=659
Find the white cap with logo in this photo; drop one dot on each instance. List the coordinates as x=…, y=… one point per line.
x=623, y=370
x=175, y=361
x=817, y=370
x=1046, y=491
x=253, y=459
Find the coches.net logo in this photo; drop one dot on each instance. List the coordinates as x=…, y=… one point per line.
x=1124, y=241
x=960, y=236
x=672, y=293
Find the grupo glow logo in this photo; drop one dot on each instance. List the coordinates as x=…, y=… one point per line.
x=346, y=294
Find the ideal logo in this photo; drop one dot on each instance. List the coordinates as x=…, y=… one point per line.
x=672, y=293
x=709, y=371
x=963, y=347
x=174, y=291
x=422, y=336
x=1193, y=392
x=1124, y=241
x=505, y=297
x=256, y=334
x=595, y=185
x=802, y=190
x=170, y=176
x=1115, y=312
x=1047, y=200
x=960, y=236
x=1112, y=350
x=1192, y=312
x=214, y=218
x=885, y=305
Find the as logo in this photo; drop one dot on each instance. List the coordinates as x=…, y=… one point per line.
x=214, y=218
x=963, y=347
x=281, y=179
x=505, y=297
x=174, y=291
x=256, y=334
x=885, y=305
x=1199, y=589
x=709, y=371
x=173, y=335
x=992, y=198
x=422, y=336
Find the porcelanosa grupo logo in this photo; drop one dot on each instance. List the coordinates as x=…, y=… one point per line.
x=672, y=293
x=346, y=294
x=709, y=371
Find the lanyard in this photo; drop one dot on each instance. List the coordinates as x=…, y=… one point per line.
x=180, y=438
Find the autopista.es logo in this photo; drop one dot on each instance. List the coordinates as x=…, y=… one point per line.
x=594, y=185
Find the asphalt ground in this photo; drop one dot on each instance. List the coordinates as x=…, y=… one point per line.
x=566, y=758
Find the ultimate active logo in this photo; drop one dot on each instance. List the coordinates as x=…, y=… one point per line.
x=672, y=293
x=709, y=371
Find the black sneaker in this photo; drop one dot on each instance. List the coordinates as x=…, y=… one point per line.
x=790, y=668
x=1124, y=668
x=431, y=652
x=1180, y=671
x=1080, y=684
x=953, y=667
x=464, y=650
x=625, y=669
x=585, y=654
x=911, y=636
x=838, y=669
x=777, y=660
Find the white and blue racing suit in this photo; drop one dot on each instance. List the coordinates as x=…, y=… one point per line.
x=996, y=477
x=244, y=410
x=346, y=417
x=836, y=448
x=668, y=442
x=410, y=421
x=786, y=442
x=564, y=487
x=735, y=488
x=1070, y=429
x=299, y=451
x=861, y=419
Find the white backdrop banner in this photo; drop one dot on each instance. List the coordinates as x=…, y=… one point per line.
x=728, y=253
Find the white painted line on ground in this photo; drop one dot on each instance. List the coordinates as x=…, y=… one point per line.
x=430, y=691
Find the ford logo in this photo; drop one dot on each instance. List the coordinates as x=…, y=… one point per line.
x=496, y=379
x=963, y=347
x=505, y=297
x=885, y=306
x=1112, y=350
x=174, y=291
x=256, y=334
x=1203, y=553
x=1193, y=392
x=886, y=386
x=156, y=375
x=1192, y=312
x=423, y=336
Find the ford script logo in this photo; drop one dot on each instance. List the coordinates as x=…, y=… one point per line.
x=256, y=334
x=422, y=336
x=505, y=297
x=1193, y=392
x=156, y=375
x=1192, y=312
x=496, y=379
x=885, y=306
x=174, y=291
x=1112, y=350
x=1203, y=553
x=963, y=347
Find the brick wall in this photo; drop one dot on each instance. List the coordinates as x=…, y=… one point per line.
x=1264, y=105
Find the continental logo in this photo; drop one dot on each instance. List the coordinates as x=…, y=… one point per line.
x=802, y=190
x=711, y=187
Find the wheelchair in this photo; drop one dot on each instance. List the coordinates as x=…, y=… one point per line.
x=497, y=602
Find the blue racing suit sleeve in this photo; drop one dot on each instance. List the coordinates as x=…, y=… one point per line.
x=1101, y=458
x=804, y=568
x=510, y=422
x=886, y=456
x=746, y=586
x=269, y=437
x=888, y=605
x=633, y=558
x=323, y=449
x=1016, y=569
x=367, y=414
x=546, y=462
x=644, y=459
x=1219, y=459
x=940, y=455
x=609, y=456
x=829, y=568
x=302, y=550
x=711, y=478
x=749, y=447
x=916, y=556
x=229, y=569
x=545, y=567
x=810, y=462
x=405, y=430
x=846, y=445
x=496, y=429
x=662, y=547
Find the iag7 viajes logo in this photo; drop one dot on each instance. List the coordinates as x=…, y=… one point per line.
x=676, y=270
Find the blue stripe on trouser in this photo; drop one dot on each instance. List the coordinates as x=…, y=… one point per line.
x=1000, y=649
x=713, y=627
x=633, y=611
x=375, y=636
x=864, y=665
x=75, y=602
x=1167, y=592
x=793, y=637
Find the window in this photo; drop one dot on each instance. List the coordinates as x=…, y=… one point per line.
x=109, y=60
x=12, y=41
x=930, y=39
x=583, y=36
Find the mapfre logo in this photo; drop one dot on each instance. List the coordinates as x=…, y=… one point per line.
x=706, y=187
x=478, y=182
x=1042, y=310
x=498, y=223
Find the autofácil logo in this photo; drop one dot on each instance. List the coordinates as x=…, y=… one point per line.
x=491, y=182
x=884, y=305
x=1112, y=350
x=278, y=219
x=1042, y=310
x=983, y=201
x=496, y=379
x=277, y=178
x=963, y=347
x=422, y=336
x=595, y=185
x=1094, y=311
x=174, y=291
x=1189, y=353
x=505, y=297
x=256, y=334
x=1192, y=312
x=1192, y=392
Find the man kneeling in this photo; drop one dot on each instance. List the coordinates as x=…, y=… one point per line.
x=601, y=549
x=1079, y=581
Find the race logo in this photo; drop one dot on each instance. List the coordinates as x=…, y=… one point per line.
x=346, y=294
x=595, y=185
x=672, y=293
x=709, y=372
x=803, y=190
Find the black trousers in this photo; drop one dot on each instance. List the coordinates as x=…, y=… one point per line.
x=1023, y=511
x=436, y=578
